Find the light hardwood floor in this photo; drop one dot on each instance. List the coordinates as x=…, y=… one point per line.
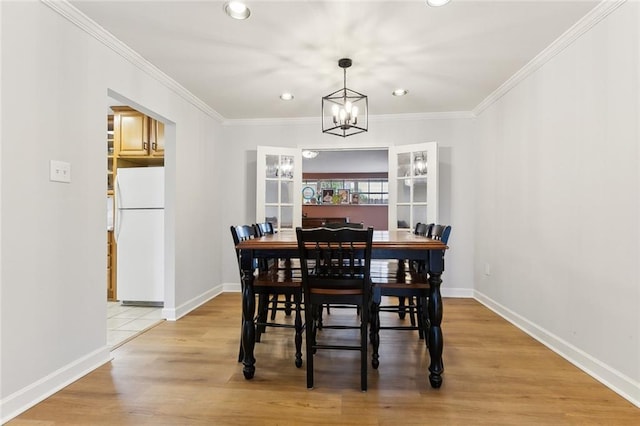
x=186, y=373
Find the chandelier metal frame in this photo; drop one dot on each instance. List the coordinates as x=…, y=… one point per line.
x=331, y=123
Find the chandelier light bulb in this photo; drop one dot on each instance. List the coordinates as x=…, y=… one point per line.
x=347, y=107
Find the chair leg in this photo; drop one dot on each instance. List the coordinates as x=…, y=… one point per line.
x=375, y=333
x=310, y=339
x=401, y=307
x=298, y=327
x=423, y=320
x=274, y=306
x=287, y=305
x=364, y=323
x=263, y=307
x=320, y=310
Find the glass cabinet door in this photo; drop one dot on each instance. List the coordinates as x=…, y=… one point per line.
x=413, y=185
x=279, y=186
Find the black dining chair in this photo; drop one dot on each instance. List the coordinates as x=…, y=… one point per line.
x=271, y=282
x=411, y=284
x=387, y=270
x=338, y=225
x=423, y=229
x=335, y=270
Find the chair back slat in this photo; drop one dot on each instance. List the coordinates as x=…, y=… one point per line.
x=333, y=258
x=441, y=232
x=264, y=228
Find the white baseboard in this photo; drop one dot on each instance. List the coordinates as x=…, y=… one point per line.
x=231, y=287
x=465, y=293
x=36, y=392
x=605, y=374
x=174, y=314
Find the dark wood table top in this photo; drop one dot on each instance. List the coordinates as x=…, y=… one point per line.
x=395, y=239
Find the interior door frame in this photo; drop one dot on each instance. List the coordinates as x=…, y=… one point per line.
x=431, y=205
x=261, y=184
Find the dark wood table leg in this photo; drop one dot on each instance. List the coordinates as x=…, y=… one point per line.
x=248, y=312
x=435, y=338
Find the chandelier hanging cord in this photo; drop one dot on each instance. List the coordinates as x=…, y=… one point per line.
x=344, y=63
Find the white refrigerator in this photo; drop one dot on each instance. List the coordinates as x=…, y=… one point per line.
x=139, y=235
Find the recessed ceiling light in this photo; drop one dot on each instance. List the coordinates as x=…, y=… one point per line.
x=436, y=3
x=400, y=92
x=236, y=9
x=286, y=96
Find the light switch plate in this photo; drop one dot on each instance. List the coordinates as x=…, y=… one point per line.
x=59, y=171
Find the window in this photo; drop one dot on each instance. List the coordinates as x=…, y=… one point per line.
x=369, y=191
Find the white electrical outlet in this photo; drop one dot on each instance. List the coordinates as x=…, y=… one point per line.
x=59, y=171
x=487, y=269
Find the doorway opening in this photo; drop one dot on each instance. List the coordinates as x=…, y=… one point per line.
x=135, y=220
x=346, y=185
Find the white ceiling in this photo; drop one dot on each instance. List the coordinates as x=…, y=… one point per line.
x=449, y=58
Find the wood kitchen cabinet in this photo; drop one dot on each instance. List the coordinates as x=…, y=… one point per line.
x=137, y=135
x=111, y=267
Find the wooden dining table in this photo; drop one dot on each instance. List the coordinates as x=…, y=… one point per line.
x=393, y=244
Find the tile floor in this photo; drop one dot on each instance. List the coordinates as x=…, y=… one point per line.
x=126, y=322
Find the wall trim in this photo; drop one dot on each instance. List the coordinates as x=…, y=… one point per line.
x=605, y=374
x=231, y=288
x=174, y=314
x=82, y=21
x=452, y=115
x=27, y=397
x=597, y=14
x=465, y=293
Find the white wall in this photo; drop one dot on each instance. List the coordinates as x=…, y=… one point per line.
x=55, y=82
x=546, y=183
x=454, y=136
x=557, y=197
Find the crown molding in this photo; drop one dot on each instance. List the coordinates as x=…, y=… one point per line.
x=68, y=11
x=372, y=118
x=445, y=115
x=597, y=14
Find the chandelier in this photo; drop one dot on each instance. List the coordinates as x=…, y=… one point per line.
x=345, y=112
x=285, y=168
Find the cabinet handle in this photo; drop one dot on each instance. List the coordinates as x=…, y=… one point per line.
x=154, y=146
x=145, y=145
